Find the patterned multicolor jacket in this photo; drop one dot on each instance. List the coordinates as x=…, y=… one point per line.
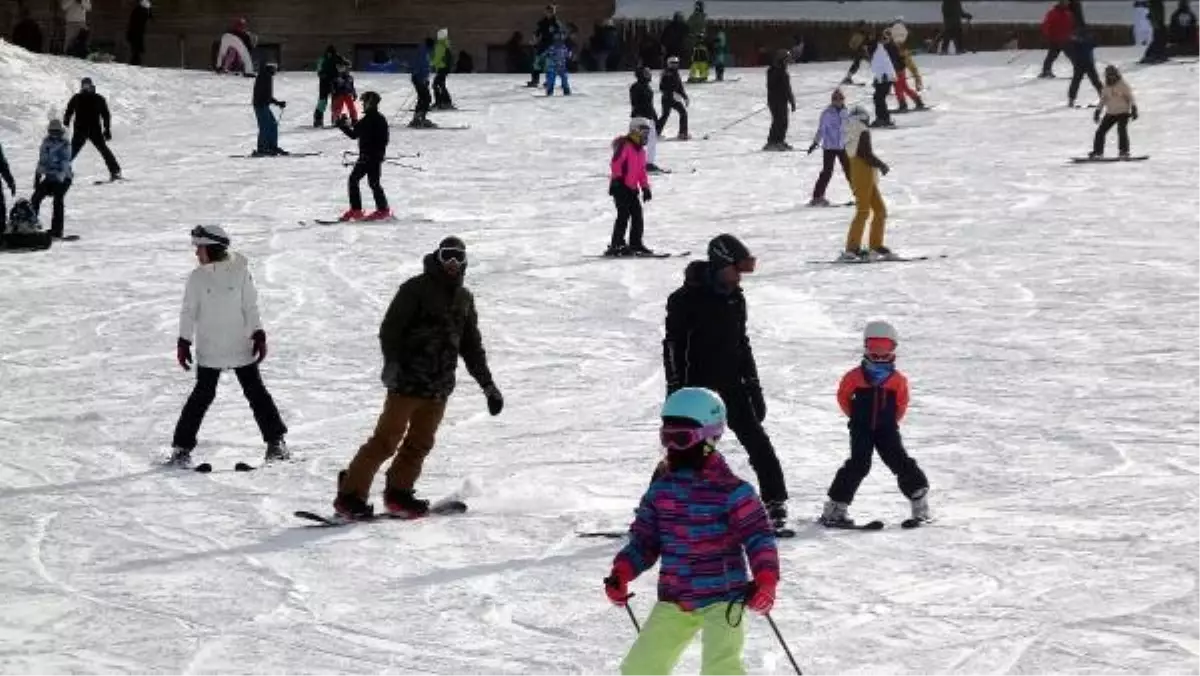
x=704, y=525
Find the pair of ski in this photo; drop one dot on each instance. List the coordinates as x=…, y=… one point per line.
x=893, y=259
x=444, y=507
x=253, y=156
x=1085, y=160
x=651, y=256
x=365, y=221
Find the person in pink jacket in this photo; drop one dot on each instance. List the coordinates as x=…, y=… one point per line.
x=628, y=176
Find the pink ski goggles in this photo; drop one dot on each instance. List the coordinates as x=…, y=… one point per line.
x=678, y=437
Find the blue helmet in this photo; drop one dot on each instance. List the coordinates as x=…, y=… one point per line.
x=697, y=404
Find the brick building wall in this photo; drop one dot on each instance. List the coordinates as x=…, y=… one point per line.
x=183, y=32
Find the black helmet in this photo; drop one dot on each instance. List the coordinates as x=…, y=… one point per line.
x=643, y=74
x=725, y=250
x=370, y=99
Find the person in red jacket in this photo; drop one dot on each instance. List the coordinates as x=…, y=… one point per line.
x=1056, y=28
x=874, y=395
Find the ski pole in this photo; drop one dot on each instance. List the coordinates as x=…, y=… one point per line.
x=735, y=122
x=783, y=643
x=632, y=617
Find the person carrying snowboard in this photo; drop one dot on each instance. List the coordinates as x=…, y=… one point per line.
x=92, y=123
x=373, y=136
x=779, y=97
x=705, y=524
x=626, y=177
x=641, y=104
x=832, y=137
x=54, y=174
x=344, y=93
x=868, y=202
x=430, y=323
x=706, y=346
x=327, y=72
x=420, y=81
x=220, y=317
x=874, y=396
x=263, y=99
x=441, y=63
x=670, y=86
x=1118, y=107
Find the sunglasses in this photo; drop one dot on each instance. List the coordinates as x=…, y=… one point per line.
x=880, y=350
x=678, y=438
x=445, y=255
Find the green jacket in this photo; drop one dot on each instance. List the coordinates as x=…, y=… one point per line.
x=430, y=322
x=441, y=55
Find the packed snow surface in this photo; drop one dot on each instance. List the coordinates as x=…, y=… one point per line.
x=1052, y=358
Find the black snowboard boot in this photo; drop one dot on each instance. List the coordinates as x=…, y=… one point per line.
x=404, y=503
x=777, y=512
x=277, y=450
x=350, y=506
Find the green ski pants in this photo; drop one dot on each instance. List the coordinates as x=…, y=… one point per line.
x=670, y=629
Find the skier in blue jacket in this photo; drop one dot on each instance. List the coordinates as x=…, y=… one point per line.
x=421, y=69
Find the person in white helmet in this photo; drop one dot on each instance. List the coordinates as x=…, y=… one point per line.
x=442, y=61
x=627, y=177
x=865, y=168
x=874, y=396
x=670, y=86
x=220, y=317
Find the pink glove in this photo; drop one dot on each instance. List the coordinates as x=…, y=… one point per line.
x=762, y=592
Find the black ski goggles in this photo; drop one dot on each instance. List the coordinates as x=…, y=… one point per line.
x=447, y=254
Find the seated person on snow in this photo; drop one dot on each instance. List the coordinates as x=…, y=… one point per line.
x=23, y=230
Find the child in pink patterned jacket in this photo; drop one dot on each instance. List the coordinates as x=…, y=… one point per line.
x=628, y=175
x=705, y=523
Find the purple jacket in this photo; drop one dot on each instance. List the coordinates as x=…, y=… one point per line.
x=829, y=130
x=704, y=525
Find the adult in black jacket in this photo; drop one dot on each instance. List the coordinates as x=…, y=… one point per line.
x=706, y=346
x=641, y=104
x=952, y=31
x=548, y=27
x=673, y=36
x=670, y=86
x=1183, y=29
x=372, y=134
x=92, y=123
x=27, y=34
x=264, y=98
x=327, y=72
x=136, y=33
x=779, y=97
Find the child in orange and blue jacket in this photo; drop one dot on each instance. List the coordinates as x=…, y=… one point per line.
x=874, y=395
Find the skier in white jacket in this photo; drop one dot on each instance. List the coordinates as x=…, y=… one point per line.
x=75, y=15
x=885, y=75
x=220, y=312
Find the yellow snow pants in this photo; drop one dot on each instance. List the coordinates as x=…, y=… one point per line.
x=867, y=203
x=669, y=631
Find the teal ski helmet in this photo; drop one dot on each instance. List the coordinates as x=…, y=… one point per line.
x=700, y=405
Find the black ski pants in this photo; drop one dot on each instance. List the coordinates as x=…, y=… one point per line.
x=952, y=31
x=423, y=96
x=48, y=188
x=1122, y=124
x=441, y=95
x=882, y=89
x=372, y=169
x=265, y=413
x=863, y=444
x=668, y=104
x=827, y=171
x=1081, y=69
x=745, y=424
x=137, y=47
x=97, y=138
x=629, y=215
x=1052, y=53
x=858, y=57
x=779, y=122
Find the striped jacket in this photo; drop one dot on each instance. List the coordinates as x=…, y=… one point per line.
x=704, y=526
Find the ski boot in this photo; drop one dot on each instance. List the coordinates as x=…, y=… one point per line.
x=819, y=202
x=379, y=215
x=920, y=507
x=902, y=108
x=1046, y=75
x=638, y=250
x=851, y=257
x=277, y=450
x=882, y=124
x=350, y=506
x=836, y=515
x=684, y=136
x=882, y=254
x=921, y=104
x=115, y=176
x=616, y=250
x=1124, y=154
x=180, y=457
x=777, y=512
x=404, y=503
x=1095, y=155
x=353, y=215
x=847, y=80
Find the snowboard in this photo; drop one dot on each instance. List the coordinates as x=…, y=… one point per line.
x=260, y=157
x=831, y=205
x=652, y=256
x=445, y=507
x=870, y=525
x=898, y=259
x=1134, y=158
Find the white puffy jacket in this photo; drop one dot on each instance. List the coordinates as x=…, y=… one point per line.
x=881, y=65
x=220, y=312
x=76, y=11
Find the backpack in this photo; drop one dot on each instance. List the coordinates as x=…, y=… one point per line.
x=22, y=218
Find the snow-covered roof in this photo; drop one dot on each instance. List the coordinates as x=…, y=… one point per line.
x=1098, y=12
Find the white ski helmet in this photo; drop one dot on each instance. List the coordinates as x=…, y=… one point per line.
x=880, y=329
x=672, y=62
x=859, y=113
x=899, y=31
x=640, y=124
x=209, y=235
x=443, y=33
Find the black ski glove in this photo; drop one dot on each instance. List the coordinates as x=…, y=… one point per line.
x=183, y=353
x=812, y=148
x=614, y=186
x=646, y=194
x=1133, y=113
x=107, y=134
x=259, y=348
x=1096, y=116
x=390, y=377
x=281, y=104
x=495, y=400
x=754, y=390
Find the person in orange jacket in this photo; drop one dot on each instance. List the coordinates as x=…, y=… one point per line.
x=874, y=395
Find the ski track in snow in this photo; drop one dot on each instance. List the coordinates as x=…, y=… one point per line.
x=1051, y=355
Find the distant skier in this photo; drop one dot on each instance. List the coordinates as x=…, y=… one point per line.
x=627, y=177
x=220, y=317
x=670, y=86
x=7, y=177
x=641, y=104
x=884, y=72
x=861, y=41
x=327, y=72
x=234, y=51
x=1057, y=27
x=441, y=61
x=706, y=346
x=874, y=396
x=779, y=98
x=903, y=62
x=952, y=29
x=430, y=323
x=135, y=32
x=556, y=58
x=706, y=524
x=344, y=93
x=720, y=54
x=831, y=135
x=54, y=174
x=698, y=70
x=1082, y=52
x=1118, y=107
x=868, y=202
x=92, y=123
x=420, y=81
x=547, y=28
x=263, y=99
x=373, y=136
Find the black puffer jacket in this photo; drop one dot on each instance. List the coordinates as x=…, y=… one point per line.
x=90, y=111
x=641, y=101
x=706, y=343
x=430, y=322
x=372, y=133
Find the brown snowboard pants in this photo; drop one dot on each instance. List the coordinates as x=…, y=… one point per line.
x=409, y=423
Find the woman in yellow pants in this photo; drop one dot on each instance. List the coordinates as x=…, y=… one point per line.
x=864, y=181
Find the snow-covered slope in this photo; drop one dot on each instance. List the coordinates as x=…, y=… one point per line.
x=1052, y=358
